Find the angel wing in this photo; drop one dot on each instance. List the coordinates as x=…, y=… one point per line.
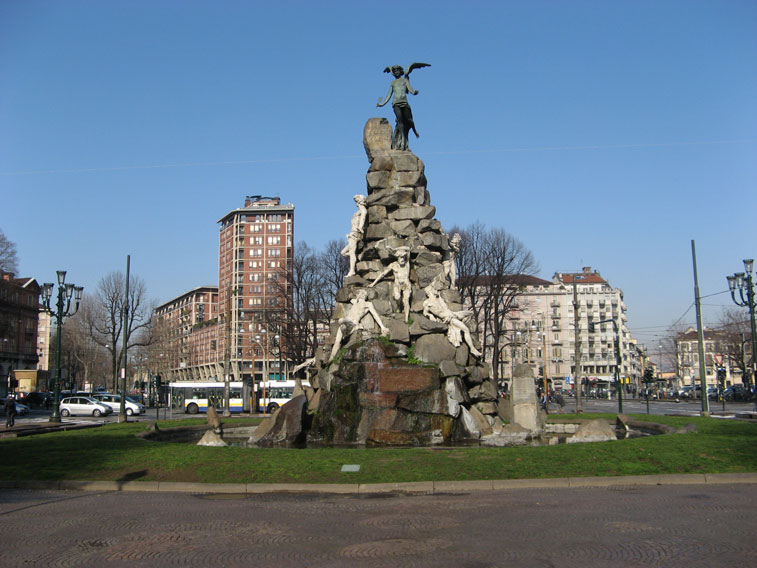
x=415, y=66
x=388, y=70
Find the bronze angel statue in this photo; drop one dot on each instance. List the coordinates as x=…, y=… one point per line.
x=399, y=89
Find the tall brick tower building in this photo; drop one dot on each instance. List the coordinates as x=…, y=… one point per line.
x=256, y=246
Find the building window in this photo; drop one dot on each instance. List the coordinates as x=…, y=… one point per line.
x=274, y=240
x=274, y=228
x=273, y=253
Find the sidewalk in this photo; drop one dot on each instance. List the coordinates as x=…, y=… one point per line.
x=417, y=487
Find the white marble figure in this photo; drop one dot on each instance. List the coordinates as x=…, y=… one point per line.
x=351, y=319
x=355, y=236
x=305, y=364
x=435, y=308
x=450, y=270
x=401, y=289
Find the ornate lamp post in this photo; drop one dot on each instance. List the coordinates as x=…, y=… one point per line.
x=62, y=310
x=743, y=283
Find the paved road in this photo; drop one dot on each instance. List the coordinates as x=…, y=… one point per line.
x=630, y=406
x=634, y=406
x=629, y=526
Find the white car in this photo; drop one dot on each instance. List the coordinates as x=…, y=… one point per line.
x=83, y=406
x=114, y=402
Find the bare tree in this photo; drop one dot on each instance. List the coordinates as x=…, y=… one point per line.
x=300, y=318
x=8, y=255
x=314, y=281
x=493, y=268
x=334, y=268
x=88, y=360
x=734, y=325
x=110, y=324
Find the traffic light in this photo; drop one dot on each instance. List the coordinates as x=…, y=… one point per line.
x=648, y=375
x=591, y=327
x=721, y=374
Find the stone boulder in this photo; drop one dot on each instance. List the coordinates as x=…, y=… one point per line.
x=508, y=435
x=593, y=431
x=213, y=420
x=286, y=431
x=211, y=438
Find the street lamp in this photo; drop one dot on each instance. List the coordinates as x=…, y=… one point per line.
x=743, y=283
x=62, y=310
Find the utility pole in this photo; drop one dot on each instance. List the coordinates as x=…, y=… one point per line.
x=700, y=335
x=122, y=410
x=577, y=349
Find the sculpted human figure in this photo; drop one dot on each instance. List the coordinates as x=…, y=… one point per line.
x=355, y=236
x=398, y=90
x=450, y=270
x=351, y=319
x=401, y=289
x=435, y=308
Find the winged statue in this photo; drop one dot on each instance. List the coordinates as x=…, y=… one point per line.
x=398, y=91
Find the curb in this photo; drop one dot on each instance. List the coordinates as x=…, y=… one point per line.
x=408, y=488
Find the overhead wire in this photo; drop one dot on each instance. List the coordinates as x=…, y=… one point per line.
x=356, y=156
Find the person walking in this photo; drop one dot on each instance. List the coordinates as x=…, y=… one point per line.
x=10, y=412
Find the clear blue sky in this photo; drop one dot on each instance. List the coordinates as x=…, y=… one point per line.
x=600, y=133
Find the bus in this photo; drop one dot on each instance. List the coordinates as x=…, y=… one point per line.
x=274, y=394
x=193, y=397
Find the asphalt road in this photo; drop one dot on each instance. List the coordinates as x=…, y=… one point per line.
x=635, y=406
x=630, y=406
x=630, y=526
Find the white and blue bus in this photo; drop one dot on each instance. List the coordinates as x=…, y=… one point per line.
x=194, y=397
x=274, y=394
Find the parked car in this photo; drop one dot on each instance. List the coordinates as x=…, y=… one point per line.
x=114, y=402
x=712, y=393
x=83, y=406
x=738, y=393
x=21, y=409
x=39, y=399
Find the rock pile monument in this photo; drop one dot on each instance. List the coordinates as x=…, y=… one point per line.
x=404, y=365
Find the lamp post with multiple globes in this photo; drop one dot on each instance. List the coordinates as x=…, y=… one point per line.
x=66, y=292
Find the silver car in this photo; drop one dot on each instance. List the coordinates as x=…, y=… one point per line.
x=83, y=406
x=114, y=401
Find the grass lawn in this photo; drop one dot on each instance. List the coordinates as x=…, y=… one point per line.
x=114, y=452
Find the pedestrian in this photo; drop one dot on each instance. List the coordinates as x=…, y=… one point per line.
x=10, y=412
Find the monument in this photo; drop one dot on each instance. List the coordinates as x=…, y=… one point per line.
x=403, y=365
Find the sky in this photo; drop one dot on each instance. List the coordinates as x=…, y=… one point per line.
x=599, y=133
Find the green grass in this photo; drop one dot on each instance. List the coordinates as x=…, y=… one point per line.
x=114, y=452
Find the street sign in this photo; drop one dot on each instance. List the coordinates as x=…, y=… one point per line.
x=719, y=359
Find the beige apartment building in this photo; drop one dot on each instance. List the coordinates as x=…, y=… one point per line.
x=540, y=333
x=239, y=320
x=719, y=350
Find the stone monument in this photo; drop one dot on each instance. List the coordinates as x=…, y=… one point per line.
x=403, y=365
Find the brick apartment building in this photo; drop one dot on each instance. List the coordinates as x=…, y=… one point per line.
x=19, y=311
x=239, y=319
